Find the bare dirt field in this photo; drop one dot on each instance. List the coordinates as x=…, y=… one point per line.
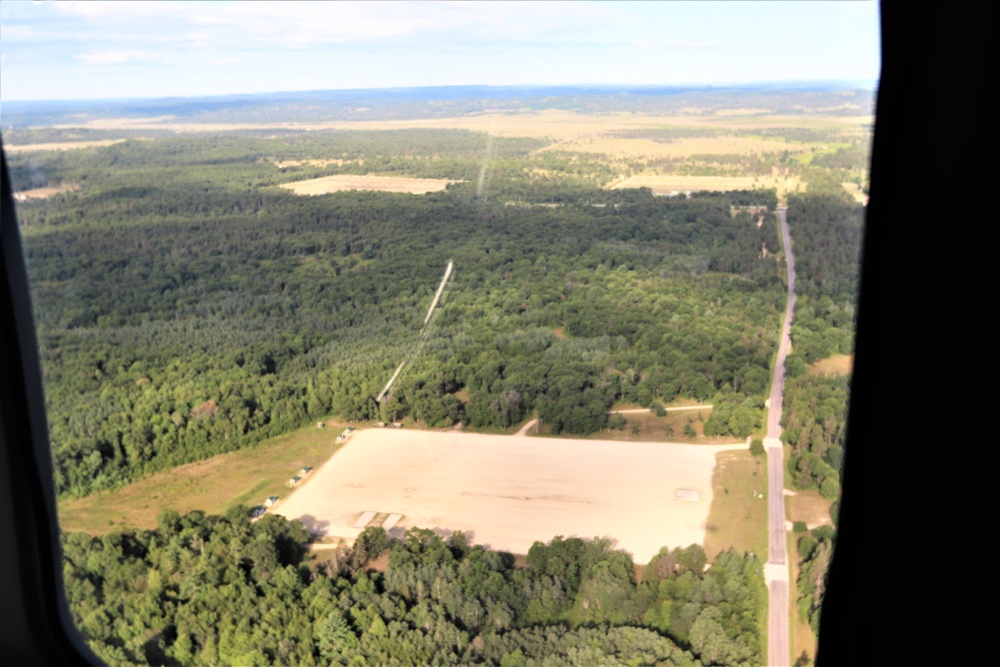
x=43, y=193
x=62, y=146
x=507, y=492
x=321, y=186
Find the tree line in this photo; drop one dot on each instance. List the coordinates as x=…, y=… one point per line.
x=220, y=589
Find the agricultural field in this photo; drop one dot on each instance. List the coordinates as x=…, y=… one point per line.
x=339, y=183
x=667, y=185
x=507, y=492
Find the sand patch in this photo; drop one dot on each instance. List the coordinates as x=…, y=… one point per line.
x=509, y=491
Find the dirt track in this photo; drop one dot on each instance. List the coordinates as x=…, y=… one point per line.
x=509, y=491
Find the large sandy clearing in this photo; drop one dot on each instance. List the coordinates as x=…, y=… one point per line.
x=321, y=186
x=507, y=492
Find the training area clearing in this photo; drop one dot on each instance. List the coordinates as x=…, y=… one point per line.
x=327, y=184
x=507, y=492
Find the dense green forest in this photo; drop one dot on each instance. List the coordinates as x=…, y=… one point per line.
x=206, y=590
x=826, y=234
x=186, y=306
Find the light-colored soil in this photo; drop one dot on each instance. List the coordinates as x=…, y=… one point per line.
x=320, y=186
x=527, y=427
x=507, y=492
x=810, y=507
x=855, y=191
x=43, y=193
x=61, y=146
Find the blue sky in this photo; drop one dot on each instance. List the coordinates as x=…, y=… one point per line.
x=80, y=50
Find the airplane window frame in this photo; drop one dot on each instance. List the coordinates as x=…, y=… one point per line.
x=37, y=627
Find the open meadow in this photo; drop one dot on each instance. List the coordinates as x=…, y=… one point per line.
x=214, y=485
x=507, y=492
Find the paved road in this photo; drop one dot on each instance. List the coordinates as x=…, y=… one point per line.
x=778, y=648
x=777, y=623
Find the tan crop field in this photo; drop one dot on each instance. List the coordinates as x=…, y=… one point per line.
x=61, y=146
x=340, y=182
x=670, y=184
x=507, y=492
x=625, y=147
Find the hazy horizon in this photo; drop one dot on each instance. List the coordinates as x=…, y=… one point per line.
x=153, y=50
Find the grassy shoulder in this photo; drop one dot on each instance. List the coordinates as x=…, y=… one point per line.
x=738, y=515
x=803, y=639
x=813, y=510
x=214, y=485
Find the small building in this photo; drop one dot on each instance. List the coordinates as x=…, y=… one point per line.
x=396, y=425
x=380, y=424
x=271, y=501
x=294, y=480
x=341, y=438
x=319, y=424
x=349, y=429
x=305, y=470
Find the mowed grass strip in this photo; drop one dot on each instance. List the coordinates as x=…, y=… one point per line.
x=213, y=485
x=738, y=516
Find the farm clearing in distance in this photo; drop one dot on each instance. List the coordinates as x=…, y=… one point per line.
x=342, y=182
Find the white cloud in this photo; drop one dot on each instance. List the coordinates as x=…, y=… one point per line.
x=106, y=57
